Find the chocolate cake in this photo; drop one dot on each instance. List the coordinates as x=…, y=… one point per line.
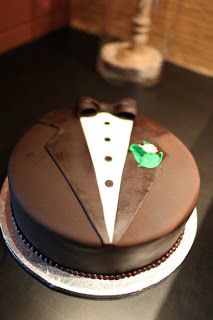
x=101, y=191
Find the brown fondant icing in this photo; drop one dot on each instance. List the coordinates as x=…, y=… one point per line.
x=68, y=149
x=136, y=182
x=56, y=202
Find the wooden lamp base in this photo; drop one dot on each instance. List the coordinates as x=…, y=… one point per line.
x=119, y=62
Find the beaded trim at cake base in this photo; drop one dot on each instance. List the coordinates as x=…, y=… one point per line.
x=91, y=285
x=119, y=276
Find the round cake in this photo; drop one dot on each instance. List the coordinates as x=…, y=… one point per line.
x=101, y=191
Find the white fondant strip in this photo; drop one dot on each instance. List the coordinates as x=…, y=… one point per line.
x=96, y=129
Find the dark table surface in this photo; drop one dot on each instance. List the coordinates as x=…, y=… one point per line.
x=53, y=72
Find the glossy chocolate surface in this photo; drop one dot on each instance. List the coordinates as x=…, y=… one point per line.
x=56, y=202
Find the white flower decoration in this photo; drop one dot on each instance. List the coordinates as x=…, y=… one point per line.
x=149, y=148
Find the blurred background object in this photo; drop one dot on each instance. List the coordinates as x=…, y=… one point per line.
x=133, y=50
x=192, y=46
x=24, y=20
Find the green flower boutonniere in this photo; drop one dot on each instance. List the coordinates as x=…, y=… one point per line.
x=146, y=155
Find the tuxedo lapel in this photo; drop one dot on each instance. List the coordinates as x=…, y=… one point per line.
x=136, y=182
x=69, y=143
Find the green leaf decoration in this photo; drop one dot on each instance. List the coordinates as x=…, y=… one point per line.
x=145, y=159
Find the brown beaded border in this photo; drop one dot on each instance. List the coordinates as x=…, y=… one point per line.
x=119, y=276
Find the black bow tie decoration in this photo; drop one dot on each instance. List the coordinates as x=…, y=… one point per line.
x=126, y=108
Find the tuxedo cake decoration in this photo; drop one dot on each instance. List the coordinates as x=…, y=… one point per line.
x=108, y=158
x=101, y=190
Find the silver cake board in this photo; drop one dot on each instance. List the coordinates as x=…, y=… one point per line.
x=85, y=287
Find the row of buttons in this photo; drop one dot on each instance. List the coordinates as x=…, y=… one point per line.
x=108, y=183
